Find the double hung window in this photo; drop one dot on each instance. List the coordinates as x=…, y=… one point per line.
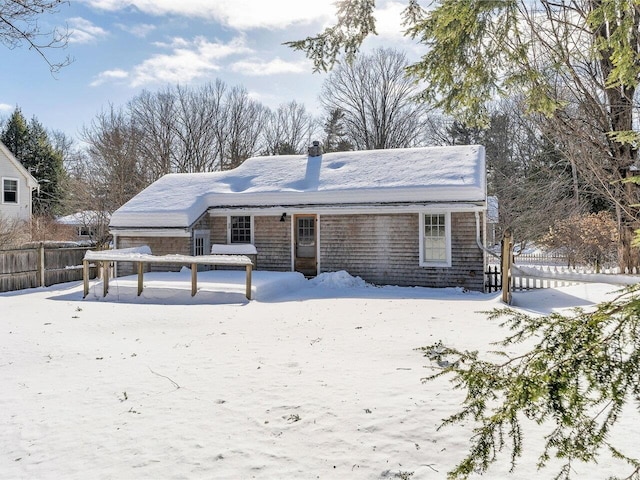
x=9, y=190
x=435, y=239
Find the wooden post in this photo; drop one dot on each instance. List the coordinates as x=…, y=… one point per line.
x=41, y=266
x=248, y=290
x=85, y=277
x=105, y=279
x=194, y=278
x=505, y=266
x=140, y=277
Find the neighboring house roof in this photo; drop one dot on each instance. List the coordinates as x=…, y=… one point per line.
x=83, y=218
x=431, y=174
x=31, y=181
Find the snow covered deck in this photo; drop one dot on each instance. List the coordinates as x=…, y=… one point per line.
x=142, y=256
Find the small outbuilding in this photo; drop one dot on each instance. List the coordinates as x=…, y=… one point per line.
x=412, y=217
x=88, y=225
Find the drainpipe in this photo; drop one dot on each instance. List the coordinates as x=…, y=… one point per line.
x=115, y=264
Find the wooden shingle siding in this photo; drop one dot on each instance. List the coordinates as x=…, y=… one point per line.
x=218, y=230
x=159, y=246
x=272, y=239
x=384, y=249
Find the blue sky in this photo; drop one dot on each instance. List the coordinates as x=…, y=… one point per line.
x=121, y=47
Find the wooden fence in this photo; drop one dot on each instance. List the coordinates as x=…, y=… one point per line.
x=41, y=265
x=493, y=280
x=545, y=277
x=541, y=259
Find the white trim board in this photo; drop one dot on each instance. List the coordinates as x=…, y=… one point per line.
x=345, y=210
x=152, y=232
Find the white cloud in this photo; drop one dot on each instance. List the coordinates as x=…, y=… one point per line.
x=391, y=31
x=83, y=31
x=140, y=30
x=186, y=61
x=109, y=75
x=238, y=14
x=389, y=20
x=5, y=107
x=257, y=68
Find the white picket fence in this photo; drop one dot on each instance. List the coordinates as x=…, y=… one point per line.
x=531, y=277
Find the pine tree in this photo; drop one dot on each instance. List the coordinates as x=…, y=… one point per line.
x=15, y=135
x=48, y=170
x=575, y=381
x=335, y=139
x=30, y=144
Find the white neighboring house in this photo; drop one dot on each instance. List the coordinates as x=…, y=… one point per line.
x=16, y=187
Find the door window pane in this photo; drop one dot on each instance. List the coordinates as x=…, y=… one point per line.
x=306, y=232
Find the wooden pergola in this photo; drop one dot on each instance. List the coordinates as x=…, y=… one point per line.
x=107, y=257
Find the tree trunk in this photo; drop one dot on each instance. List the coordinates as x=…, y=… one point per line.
x=628, y=256
x=624, y=152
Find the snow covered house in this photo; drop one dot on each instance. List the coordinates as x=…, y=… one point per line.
x=87, y=224
x=16, y=187
x=412, y=216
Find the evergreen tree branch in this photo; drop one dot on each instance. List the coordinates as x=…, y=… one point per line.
x=582, y=369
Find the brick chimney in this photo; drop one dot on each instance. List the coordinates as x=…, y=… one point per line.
x=315, y=150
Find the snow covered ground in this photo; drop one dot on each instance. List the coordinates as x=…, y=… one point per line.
x=313, y=379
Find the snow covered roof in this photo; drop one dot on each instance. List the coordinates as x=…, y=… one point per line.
x=430, y=174
x=85, y=217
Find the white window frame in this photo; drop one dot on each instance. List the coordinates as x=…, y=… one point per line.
x=206, y=236
x=17, y=180
x=447, y=226
x=229, y=229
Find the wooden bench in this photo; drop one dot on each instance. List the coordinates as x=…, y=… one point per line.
x=142, y=256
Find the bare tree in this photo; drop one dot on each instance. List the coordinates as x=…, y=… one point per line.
x=113, y=168
x=153, y=115
x=186, y=129
x=197, y=113
x=13, y=232
x=19, y=25
x=289, y=129
x=84, y=191
x=241, y=132
x=179, y=128
x=534, y=181
x=378, y=101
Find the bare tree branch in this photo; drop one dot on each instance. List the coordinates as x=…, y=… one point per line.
x=19, y=25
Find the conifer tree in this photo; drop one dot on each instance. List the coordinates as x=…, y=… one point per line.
x=30, y=144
